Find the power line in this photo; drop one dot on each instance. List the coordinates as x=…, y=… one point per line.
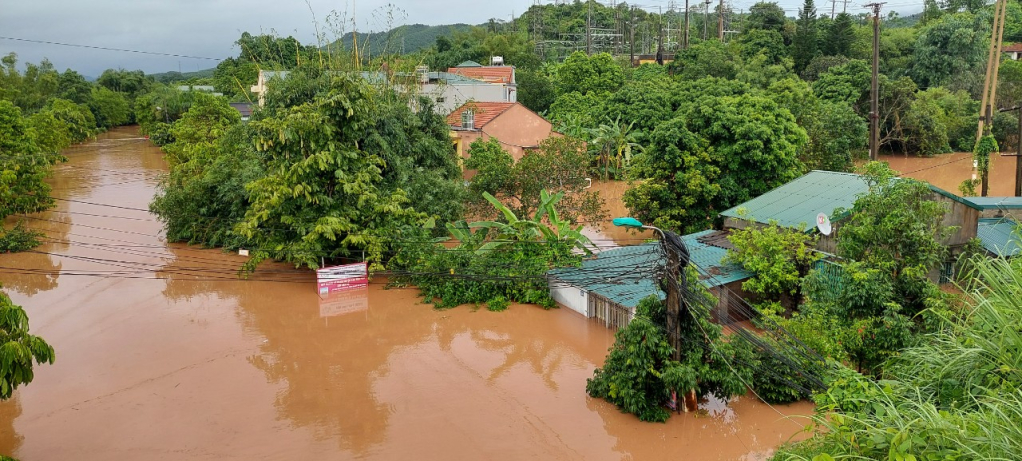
x=155, y=53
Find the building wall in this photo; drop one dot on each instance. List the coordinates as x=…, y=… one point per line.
x=572, y=297
x=518, y=129
x=959, y=215
x=451, y=96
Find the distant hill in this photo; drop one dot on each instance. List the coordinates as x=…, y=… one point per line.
x=414, y=37
x=175, y=76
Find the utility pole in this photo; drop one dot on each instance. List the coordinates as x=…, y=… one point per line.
x=720, y=21
x=660, y=41
x=989, y=98
x=833, y=5
x=684, y=39
x=874, y=91
x=706, y=12
x=589, y=29
x=631, y=40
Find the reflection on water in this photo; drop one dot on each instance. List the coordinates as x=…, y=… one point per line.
x=163, y=353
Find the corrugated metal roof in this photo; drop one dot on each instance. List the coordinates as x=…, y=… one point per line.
x=995, y=203
x=625, y=275
x=998, y=236
x=708, y=259
x=801, y=199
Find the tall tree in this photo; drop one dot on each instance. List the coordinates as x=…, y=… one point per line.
x=765, y=16
x=805, y=44
x=840, y=36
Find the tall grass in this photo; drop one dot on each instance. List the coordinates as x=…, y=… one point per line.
x=957, y=395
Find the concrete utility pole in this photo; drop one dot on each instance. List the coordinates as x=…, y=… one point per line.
x=989, y=99
x=833, y=6
x=589, y=29
x=720, y=21
x=684, y=37
x=874, y=90
x=631, y=40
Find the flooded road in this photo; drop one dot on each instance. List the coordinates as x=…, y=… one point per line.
x=163, y=354
x=949, y=170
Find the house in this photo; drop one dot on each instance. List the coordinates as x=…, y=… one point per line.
x=799, y=201
x=609, y=286
x=243, y=108
x=501, y=76
x=517, y=128
x=447, y=90
x=1014, y=51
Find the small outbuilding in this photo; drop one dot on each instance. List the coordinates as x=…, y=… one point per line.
x=609, y=286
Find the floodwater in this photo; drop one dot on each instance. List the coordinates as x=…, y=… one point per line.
x=604, y=235
x=162, y=353
x=949, y=170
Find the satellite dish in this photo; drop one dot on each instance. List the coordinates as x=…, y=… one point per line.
x=823, y=224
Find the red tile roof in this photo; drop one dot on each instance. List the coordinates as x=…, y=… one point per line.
x=484, y=112
x=1013, y=48
x=488, y=74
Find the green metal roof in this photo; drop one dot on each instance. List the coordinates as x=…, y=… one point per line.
x=801, y=199
x=998, y=236
x=470, y=64
x=625, y=275
x=995, y=203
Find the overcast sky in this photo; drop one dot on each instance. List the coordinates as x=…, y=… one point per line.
x=208, y=28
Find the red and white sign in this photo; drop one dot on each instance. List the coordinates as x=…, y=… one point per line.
x=342, y=278
x=345, y=302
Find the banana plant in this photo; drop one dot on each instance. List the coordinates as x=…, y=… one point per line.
x=525, y=230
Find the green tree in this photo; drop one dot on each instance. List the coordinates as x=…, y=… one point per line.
x=130, y=82
x=949, y=49
x=78, y=119
x=848, y=83
x=729, y=150
x=769, y=43
x=839, y=36
x=707, y=59
x=23, y=168
x=535, y=89
x=985, y=146
x=805, y=45
x=589, y=74
x=780, y=258
x=109, y=107
x=897, y=229
x=324, y=194
x=197, y=131
x=639, y=374
x=18, y=348
x=563, y=161
x=766, y=16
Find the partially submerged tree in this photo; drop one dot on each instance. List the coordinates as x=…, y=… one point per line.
x=18, y=348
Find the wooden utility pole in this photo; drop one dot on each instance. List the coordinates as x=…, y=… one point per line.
x=684, y=38
x=989, y=99
x=874, y=90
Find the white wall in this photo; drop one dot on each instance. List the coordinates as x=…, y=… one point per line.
x=572, y=297
x=455, y=95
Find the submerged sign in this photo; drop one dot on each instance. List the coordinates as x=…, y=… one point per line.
x=341, y=278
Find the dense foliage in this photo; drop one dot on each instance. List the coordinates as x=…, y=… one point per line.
x=562, y=161
x=639, y=374
x=495, y=262
x=955, y=395
x=18, y=348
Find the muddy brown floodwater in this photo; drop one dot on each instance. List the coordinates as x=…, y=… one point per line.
x=162, y=353
x=949, y=170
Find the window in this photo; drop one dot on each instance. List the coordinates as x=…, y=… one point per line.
x=468, y=119
x=440, y=100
